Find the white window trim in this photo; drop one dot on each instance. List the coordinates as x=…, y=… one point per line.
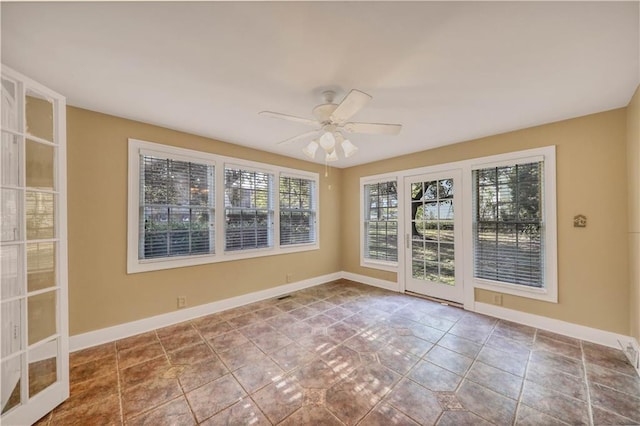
x=314, y=204
x=135, y=265
x=550, y=292
x=373, y=263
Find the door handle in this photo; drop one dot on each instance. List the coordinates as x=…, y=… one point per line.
x=407, y=241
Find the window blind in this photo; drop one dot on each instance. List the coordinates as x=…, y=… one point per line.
x=508, y=224
x=176, y=208
x=381, y=221
x=249, y=212
x=297, y=211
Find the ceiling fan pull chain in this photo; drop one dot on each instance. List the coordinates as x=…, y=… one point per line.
x=326, y=168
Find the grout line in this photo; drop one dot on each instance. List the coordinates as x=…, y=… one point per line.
x=586, y=383
x=115, y=346
x=524, y=377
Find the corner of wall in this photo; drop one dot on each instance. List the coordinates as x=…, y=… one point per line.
x=633, y=183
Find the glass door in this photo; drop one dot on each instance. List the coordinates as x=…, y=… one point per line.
x=432, y=263
x=33, y=297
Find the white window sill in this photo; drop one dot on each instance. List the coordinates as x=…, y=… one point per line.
x=379, y=264
x=544, y=294
x=148, y=265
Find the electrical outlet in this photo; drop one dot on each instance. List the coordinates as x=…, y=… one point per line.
x=290, y=277
x=182, y=302
x=497, y=299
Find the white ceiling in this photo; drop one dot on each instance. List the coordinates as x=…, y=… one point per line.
x=447, y=71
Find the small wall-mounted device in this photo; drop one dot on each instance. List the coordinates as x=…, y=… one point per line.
x=580, y=221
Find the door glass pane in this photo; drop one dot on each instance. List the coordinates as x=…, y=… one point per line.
x=417, y=269
x=433, y=231
x=10, y=224
x=10, y=105
x=43, y=372
x=11, y=372
x=39, y=115
x=11, y=315
x=10, y=160
x=39, y=166
x=41, y=316
x=40, y=215
x=11, y=268
x=41, y=266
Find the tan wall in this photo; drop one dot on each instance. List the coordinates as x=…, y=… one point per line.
x=633, y=172
x=593, y=278
x=101, y=294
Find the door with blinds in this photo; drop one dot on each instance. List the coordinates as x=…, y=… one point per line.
x=34, y=339
x=433, y=235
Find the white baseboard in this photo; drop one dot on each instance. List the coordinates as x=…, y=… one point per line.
x=120, y=331
x=375, y=282
x=577, y=331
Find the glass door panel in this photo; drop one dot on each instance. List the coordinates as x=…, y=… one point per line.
x=11, y=316
x=40, y=215
x=432, y=228
x=34, y=339
x=10, y=104
x=10, y=215
x=43, y=367
x=40, y=163
x=10, y=159
x=39, y=115
x=11, y=272
x=41, y=266
x=11, y=373
x=41, y=319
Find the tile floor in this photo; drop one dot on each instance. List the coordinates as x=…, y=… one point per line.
x=345, y=353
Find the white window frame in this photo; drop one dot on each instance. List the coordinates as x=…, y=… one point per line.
x=549, y=291
x=271, y=209
x=314, y=205
x=135, y=265
x=365, y=262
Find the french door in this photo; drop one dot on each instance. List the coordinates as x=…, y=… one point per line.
x=433, y=232
x=34, y=364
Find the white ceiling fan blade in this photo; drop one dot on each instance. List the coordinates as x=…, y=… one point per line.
x=373, y=128
x=298, y=137
x=288, y=117
x=351, y=104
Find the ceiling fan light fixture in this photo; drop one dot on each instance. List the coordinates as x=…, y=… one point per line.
x=311, y=149
x=348, y=148
x=327, y=141
x=331, y=156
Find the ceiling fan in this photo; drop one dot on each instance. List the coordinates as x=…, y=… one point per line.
x=330, y=123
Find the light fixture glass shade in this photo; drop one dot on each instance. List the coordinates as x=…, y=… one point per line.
x=327, y=141
x=310, y=150
x=348, y=148
x=331, y=156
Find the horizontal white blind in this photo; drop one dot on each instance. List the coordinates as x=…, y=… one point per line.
x=381, y=221
x=249, y=211
x=508, y=224
x=297, y=211
x=176, y=208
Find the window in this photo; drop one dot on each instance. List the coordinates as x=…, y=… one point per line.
x=511, y=235
x=176, y=208
x=297, y=210
x=248, y=200
x=380, y=242
x=190, y=208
